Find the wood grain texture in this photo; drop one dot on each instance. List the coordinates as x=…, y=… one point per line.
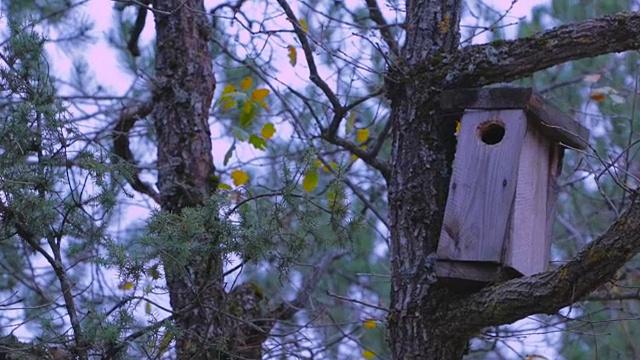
x=482, y=188
x=527, y=247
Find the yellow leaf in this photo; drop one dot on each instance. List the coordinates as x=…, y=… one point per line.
x=458, y=126
x=362, y=135
x=147, y=308
x=268, y=130
x=531, y=357
x=247, y=107
x=246, y=83
x=227, y=102
x=228, y=89
x=126, y=286
x=370, y=324
x=310, y=180
x=293, y=55
x=224, y=186
x=597, y=96
x=263, y=104
x=353, y=158
x=303, y=25
x=164, y=342
x=239, y=177
x=368, y=354
x=259, y=94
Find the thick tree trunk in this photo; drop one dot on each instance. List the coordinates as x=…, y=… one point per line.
x=211, y=323
x=182, y=95
x=422, y=154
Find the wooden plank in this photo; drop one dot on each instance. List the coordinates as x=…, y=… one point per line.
x=482, y=188
x=552, y=122
x=465, y=273
x=527, y=247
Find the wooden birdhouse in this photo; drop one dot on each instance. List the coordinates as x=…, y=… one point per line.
x=500, y=207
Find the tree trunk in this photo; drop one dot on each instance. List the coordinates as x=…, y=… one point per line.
x=422, y=154
x=182, y=95
x=211, y=323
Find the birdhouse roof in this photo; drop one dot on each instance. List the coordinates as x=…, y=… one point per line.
x=553, y=123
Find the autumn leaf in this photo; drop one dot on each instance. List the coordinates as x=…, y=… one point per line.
x=259, y=94
x=245, y=84
x=351, y=120
x=268, y=130
x=362, y=135
x=293, y=55
x=164, y=342
x=532, y=357
x=224, y=186
x=257, y=142
x=303, y=25
x=239, y=177
x=597, y=96
x=370, y=324
x=310, y=180
x=353, y=159
x=128, y=285
x=229, y=153
x=249, y=113
x=458, y=124
x=228, y=89
x=368, y=354
x=227, y=103
x=147, y=308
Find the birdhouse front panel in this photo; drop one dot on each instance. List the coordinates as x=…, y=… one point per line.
x=483, y=185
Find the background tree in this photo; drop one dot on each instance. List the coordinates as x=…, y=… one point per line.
x=281, y=247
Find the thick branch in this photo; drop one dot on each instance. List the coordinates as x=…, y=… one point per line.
x=550, y=291
x=121, y=146
x=506, y=61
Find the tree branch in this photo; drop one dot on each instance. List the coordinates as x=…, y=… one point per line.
x=550, y=291
x=376, y=15
x=506, y=61
x=287, y=309
x=121, y=146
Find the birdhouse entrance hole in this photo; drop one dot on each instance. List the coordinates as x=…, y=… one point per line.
x=491, y=132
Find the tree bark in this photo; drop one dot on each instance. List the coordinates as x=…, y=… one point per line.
x=182, y=94
x=422, y=153
x=427, y=321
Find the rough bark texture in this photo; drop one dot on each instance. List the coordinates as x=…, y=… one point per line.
x=422, y=153
x=182, y=94
x=427, y=321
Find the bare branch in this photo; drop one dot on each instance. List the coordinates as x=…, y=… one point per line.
x=376, y=15
x=121, y=146
x=505, y=61
x=138, y=26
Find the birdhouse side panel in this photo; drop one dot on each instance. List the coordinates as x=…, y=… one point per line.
x=482, y=187
x=526, y=248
